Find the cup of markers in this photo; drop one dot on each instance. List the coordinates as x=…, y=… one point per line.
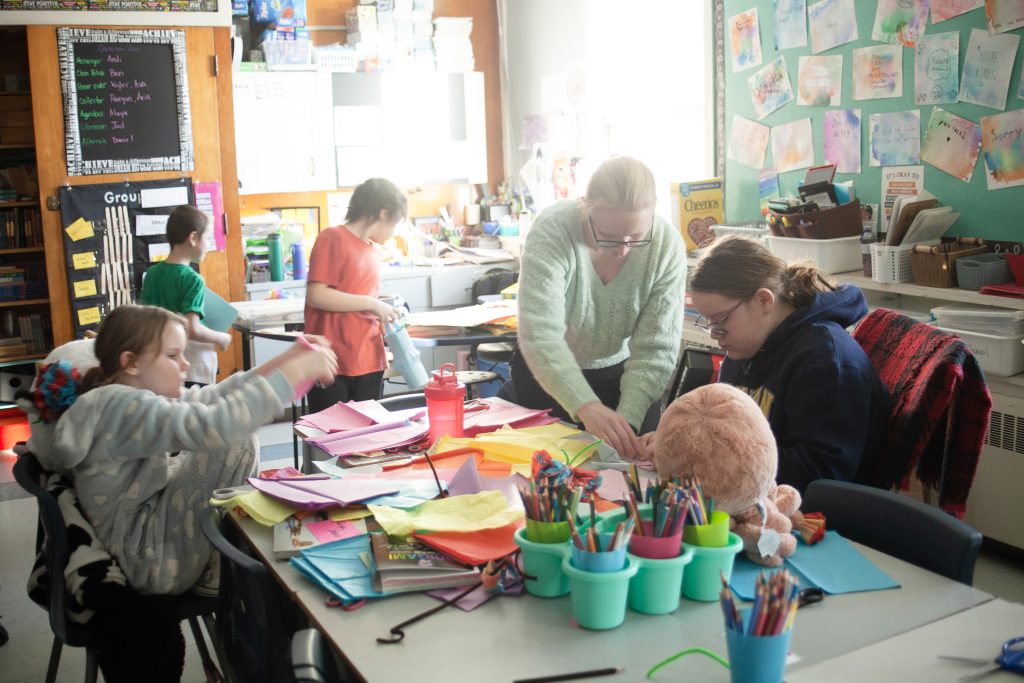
x=706, y=534
x=544, y=541
x=758, y=638
x=599, y=571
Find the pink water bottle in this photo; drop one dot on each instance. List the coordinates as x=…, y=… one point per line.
x=445, y=395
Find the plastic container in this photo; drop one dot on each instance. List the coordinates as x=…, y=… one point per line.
x=974, y=272
x=756, y=659
x=445, y=396
x=998, y=355
x=406, y=358
x=657, y=586
x=891, y=265
x=712, y=535
x=749, y=231
x=542, y=564
x=288, y=55
x=702, y=580
x=983, y=319
x=599, y=598
x=298, y=260
x=599, y=561
x=274, y=257
x=547, y=532
x=831, y=256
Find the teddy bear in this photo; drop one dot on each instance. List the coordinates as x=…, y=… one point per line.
x=719, y=434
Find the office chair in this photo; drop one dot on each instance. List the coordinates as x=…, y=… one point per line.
x=313, y=661
x=250, y=620
x=898, y=525
x=52, y=535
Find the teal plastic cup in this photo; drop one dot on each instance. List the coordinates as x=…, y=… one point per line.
x=757, y=659
x=600, y=561
x=599, y=598
x=702, y=580
x=656, y=587
x=543, y=561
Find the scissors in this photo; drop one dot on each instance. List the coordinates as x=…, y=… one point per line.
x=1011, y=659
x=809, y=596
x=230, y=492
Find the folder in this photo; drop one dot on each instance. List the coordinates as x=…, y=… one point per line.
x=218, y=314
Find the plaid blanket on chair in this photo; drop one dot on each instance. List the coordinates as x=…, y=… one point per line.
x=941, y=408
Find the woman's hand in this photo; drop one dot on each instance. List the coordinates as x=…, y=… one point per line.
x=610, y=427
x=646, y=447
x=386, y=312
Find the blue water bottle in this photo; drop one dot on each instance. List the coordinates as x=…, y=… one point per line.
x=405, y=356
x=298, y=261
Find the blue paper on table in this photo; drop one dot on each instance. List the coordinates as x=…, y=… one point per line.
x=218, y=314
x=833, y=565
x=339, y=568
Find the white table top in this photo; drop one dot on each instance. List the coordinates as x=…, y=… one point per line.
x=519, y=637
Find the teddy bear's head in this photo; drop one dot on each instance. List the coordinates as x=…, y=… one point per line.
x=718, y=433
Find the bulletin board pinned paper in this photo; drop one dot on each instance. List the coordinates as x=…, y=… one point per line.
x=988, y=198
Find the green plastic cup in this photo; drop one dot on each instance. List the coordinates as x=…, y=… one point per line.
x=599, y=598
x=655, y=588
x=702, y=580
x=547, y=532
x=712, y=535
x=544, y=562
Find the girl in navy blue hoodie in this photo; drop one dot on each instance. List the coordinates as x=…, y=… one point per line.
x=783, y=328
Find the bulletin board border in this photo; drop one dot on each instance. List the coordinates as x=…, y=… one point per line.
x=66, y=39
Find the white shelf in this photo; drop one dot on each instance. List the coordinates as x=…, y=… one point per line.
x=952, y=294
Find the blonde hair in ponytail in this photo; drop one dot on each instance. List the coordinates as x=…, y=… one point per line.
x=126, y=328
x=736, y=267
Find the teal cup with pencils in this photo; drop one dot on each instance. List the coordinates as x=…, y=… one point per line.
x=600, y=553
x=714, y=534
x=758, y=638
x=599, y=598
x=702, y=579
x=542, y=566
x=550, y=506
x=656, y=587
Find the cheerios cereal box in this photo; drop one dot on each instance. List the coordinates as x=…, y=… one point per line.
x=696, y=206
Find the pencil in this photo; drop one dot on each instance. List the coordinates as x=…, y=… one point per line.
x=573, y=676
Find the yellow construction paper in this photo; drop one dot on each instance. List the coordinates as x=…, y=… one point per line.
x=79, y=230
x=484, y=510
x=88, y=316
x=517, y=446
x=83, y=259
x=85, y=288
x=525, y=470
x=347, y=514
x=261, y=507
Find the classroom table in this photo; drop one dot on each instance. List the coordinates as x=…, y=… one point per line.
x=518, y=637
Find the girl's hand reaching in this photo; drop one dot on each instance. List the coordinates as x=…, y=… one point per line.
x=310, y=364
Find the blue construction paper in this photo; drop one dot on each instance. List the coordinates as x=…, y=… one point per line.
x=833, y=565
x=341, y=564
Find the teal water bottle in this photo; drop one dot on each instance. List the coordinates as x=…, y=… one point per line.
x=406, y=358
x=275, y=257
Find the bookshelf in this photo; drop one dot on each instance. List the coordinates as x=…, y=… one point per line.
x=24, y=292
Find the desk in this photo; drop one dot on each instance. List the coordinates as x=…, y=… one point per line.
x=464, y=337
x=286, y=333
x=528, y=636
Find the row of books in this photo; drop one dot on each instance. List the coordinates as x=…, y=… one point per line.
x=21, y=282
x=25, y=334
x=20, y=227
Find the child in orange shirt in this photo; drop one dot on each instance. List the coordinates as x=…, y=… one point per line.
x=342, y=290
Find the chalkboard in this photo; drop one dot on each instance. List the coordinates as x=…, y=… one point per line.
x=125, y=101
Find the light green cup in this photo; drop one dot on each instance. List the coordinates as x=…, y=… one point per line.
x=712, y=535
x=702, y=579
x=655, y=588
x=547, y=532
x=599, y=598
x=544, y=561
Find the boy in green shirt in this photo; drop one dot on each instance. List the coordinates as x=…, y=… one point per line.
x=174, y=285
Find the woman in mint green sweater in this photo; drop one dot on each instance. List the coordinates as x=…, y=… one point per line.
x=601, y=306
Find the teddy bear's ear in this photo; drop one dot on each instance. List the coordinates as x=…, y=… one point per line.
x=718, y=433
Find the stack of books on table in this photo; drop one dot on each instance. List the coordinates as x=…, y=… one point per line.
x=406, y=565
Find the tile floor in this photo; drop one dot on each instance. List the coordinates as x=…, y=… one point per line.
x=24, y=657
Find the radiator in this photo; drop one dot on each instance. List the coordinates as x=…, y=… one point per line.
x=996, y=504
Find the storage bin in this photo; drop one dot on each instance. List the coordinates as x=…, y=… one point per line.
x=998, y=355
x=288, y=55
x=754, y=232
x=336, y=58
x=831, y=256
x=840, y=221
x=891, y=265
x=983, y=319
x=974, y=272
x=935, y=265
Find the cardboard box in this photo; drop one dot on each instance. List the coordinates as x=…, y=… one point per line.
x=696, y=207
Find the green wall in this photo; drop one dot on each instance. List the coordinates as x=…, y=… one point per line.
x=994, y=215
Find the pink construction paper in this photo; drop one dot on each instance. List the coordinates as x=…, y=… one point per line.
x=338, y=418
x=327, y=531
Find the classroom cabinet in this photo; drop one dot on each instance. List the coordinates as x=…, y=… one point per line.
x=283, y=131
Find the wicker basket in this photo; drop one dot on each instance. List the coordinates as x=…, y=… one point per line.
x=828, y=224
x=935, y=266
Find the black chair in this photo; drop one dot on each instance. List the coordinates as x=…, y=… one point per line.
x=312, y=659
x=404, y=401
x=898, y=525
x=251, y=629
x=53, y=530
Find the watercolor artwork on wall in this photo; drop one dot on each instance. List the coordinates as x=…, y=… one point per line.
x=987, y=69
x=895, y=138
x=770, y=87
x=1002, y=146
x=877, y=72
x=841, y=139
x=947, y=9
x=792, y=145
x=820, y=80
x=937, y=68
x=767, y=188
x=1004, y=15
x=745, y=39
x=790, y=24
x=832, y=22
x=748, y=142
x=900, y=21
x=951, y=144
